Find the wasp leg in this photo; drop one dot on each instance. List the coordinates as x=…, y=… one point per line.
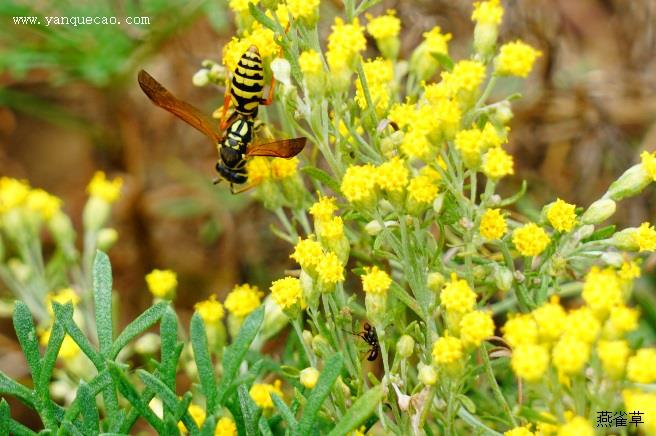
x=241, y=190
x=216, y=181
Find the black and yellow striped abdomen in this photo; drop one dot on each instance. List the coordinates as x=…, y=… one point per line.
x=247, y=83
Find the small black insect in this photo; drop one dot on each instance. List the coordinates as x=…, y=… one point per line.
x=370, y=337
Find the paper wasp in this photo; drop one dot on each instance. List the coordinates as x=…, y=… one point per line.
x=370, y=337
x=235, y=138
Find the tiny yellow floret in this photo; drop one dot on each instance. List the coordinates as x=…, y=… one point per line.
x=475, y=327
x=530, y=239
x=516, y=59
x=243, y=299
x=225, y=427
x=308, y=377
x=642, y=367
x=162, y=283
x=493, y=225
x=384, y=26
x=261, y=393
x=645, y=237
x=488, y=12
x=497, y=164
x=210, y=310
x=107, y=190
x=330, y=269
x=287, y=292
x=530, y=361
x=561, y=216
x=457, y=297
x=447, y=350
x=376, y=281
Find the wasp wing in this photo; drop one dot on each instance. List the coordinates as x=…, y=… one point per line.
x=183, y=110
x=284, y=148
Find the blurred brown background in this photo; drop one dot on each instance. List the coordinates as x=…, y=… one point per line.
x=588, y=110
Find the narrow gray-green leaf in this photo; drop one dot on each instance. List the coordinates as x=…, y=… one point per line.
x=15, y=389
x=64, y=315
x=89, y=410
x=47, y=410
x=26, y=333
x=145, y=321
x=168, y=397
x=169, y=355
x=284, y=412
x=331, y=371
x=99, y=383
x=263, y=426
x=208, y=427
x=203, y=360
x=264, y=19
x=249, y=410
x=323, y=177
x=131, y=394
x=234, y=354
x=102, y=295
x=359, y=411
x=4, y=417
x=72, y=430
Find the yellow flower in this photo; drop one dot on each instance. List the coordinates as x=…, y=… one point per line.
x=61, y=296
x=330, y=269
x=550, y=319
x=475, y=327
x=497, y=163
x=423, y=189
x=530, y=361
x=582, y=324
x=197, y=414
x=493, y=225
x=642, y=367
x=43, y=203
x=162, y=283
x=530, y=239
x=344, y=42
x=520, y=329
x=447, y=350
x=384, y=26
x=402, y=114
x=561, y=216
x=376, y=281
x=302, y=8
x=492, y=137
x=310, y=62
x=323, y=209
x=415, y=144
x=332, y=230
x=471, y=144
x=637, y=401
x=243, y=299
x=378, y=74
x=613, y=356
x=283, y=168
x=467, y=75
x=225, y=427
x=359, y=183
x=69, y=348
x=308, y=377
x=488, y=12
x=241, y=5
x=649, y=163
x=578, y=426
x=602, y=290
x=307, y=253
x=13, y=193
x=436, y=41
x=258, y=170
x=448, y=113
x=516, y=59
x=645, y=237
x=261, y=393
x=570, y=354
x=457, y=297
x=629, y=270
x=263, y=38
x=105, y=189
x=287, y=292
x=519, y=431
x=392, y=176
x=210, y=310
x=622, y=320
x=234, y=50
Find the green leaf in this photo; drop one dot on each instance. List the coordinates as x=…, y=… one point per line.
x=203, y=360
x=102, y=295
x=445, y=60
x=64, y=315
x=89, y=411
x=264, y=19
x=234, y=354
x=168, y=397
x=331, y=371
x=46, y=411
x=603, y=233
x=359, y=411
x=263, y=425
x=4, y=417
x=249, y=410
x=169, y=334
x=26, y=333
x=322, y=177
x=208, y=427
x=145, y=321
x=284, y=412
x=131, y=394
x=519, y=194
x=99, y=383
x=72, y=430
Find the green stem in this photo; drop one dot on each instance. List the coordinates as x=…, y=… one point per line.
x=495, y=386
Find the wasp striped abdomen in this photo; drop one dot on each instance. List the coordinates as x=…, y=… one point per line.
x=247, y=83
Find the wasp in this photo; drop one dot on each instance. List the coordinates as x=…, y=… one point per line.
x=235, y=138
x=370, y=337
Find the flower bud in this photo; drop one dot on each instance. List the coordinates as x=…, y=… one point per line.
x=274, y=318
x=320, y=346
x=613, y=259
x=21, y=271
x=485, y=38
x=503, y=278
x=373, y=227
x=307, y=337
x=61, y=228
x=310, y=290
x=503, y=112
x=405, y=346
x=201, y=78
x=632, y=182
x=309, y=377
x=107, y=237
x=435, y=281
x=427, y=374
x=438, y=203
x=625, y=240
x=422, y=63
x=376, y=306
x=599, y=211
x=584, y=232
x=96, y=213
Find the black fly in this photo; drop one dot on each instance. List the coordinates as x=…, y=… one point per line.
x=370, y=337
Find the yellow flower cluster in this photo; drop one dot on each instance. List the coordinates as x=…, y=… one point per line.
x=162, y=283
x=645, y=237
x=473, y=143
x=283, y=168
x=423, y=189
x=345, y=42
x=530, y=239
x=392, y=175
x=107, y=190
x=378, y=74
x=307, y=253
x=225, y=427
x=602, y=290
x=562, y=216
x=645, y=402
x=475, y=327
x=310, y=63
x=17, y=193
x=516, y=59
x=330, y=269
x=261, y=393
x=302, y=8
x=241, y=5
x=493, y=225
x=447, y=350
x=359, y=183
x=287, y=292
x=497, y=164
x=375, y=281
x=456, y=296
x=243, y=299
x=210, y=310
x=258, y=170
x=649, y=163
x=488, y=12
x=436, y=41
x=384, y=26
